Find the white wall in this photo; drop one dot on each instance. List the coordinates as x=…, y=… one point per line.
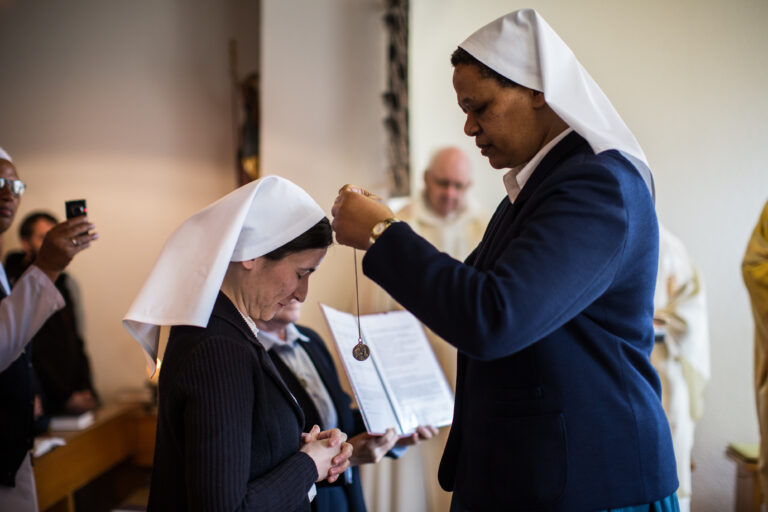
x=129, y=106
x=322, y=115
x=689, y=79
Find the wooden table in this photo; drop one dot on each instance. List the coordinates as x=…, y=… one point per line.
x=748, y=494
x=120, y=432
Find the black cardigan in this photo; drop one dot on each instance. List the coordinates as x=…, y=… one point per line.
x=229, y=430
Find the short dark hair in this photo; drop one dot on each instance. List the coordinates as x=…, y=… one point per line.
x=462, y=56
x=318, y=236
x=28, y=224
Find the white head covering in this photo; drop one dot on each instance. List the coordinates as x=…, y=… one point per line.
x=5, y=155
x=249, y=222
x=521, y=46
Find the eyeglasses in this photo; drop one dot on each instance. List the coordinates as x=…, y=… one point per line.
x=445, y=183
x=17, y=187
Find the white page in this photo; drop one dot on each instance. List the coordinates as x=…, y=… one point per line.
x=419, y=390
x=363, y=376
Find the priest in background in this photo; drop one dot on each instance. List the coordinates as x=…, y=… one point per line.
x=443, y=213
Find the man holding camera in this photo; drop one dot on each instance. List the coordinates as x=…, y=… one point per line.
x=22, y=311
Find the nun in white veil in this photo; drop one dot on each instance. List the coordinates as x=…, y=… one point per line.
x=229, y=431
x=557, y=405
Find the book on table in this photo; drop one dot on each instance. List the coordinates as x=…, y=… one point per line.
x=401, y=384
x=72, y=421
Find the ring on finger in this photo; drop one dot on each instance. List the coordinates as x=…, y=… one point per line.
x=74, y=242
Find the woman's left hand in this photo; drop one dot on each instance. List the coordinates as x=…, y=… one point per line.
x=355, y=211
x=423, y=433
x=370, y=448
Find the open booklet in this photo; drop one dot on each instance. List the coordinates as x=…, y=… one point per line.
x=401, y=385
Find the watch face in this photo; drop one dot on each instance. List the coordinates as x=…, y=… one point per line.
x=379, y=228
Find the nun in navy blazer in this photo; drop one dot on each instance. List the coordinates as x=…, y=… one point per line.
x=557, y=405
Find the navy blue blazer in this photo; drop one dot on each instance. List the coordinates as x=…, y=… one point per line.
x=341, y=495
x=557, y=405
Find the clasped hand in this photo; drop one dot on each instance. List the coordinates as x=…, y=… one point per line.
x=328, y=450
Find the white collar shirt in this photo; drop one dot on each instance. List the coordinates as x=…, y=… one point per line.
x=517, y=177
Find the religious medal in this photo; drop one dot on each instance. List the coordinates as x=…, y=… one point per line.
x=361, y=350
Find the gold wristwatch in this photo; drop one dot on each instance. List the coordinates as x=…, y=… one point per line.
x=380, y=227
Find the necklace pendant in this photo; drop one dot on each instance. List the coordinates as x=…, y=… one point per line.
x=361, y=351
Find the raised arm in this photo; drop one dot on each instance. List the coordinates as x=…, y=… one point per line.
x=35, y=298
x=556, y=262
x=31, y=302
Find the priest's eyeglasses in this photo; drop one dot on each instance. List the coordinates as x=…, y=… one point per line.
x=17, y=187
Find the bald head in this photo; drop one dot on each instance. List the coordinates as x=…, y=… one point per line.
x=446, y=180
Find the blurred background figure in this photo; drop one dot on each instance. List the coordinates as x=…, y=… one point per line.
x=445, y=215
x=57, y=350
x=754, y=269
x=681, y=353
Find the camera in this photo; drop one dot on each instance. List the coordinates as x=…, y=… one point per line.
x=75, y=208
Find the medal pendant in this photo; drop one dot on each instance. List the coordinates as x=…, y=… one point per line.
x=361, y=351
